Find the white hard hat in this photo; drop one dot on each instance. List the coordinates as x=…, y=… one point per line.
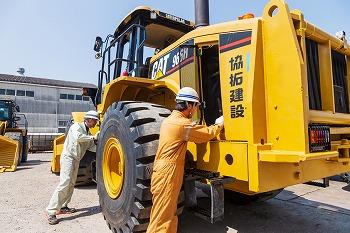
x=187, y=94
x=92, y=115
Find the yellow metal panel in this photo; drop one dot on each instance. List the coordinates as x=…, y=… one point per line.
x=326, y=81
x=214, y=156
x=293, y=156
x=9, y=153
x=256, y=83
x=273, y=176
x=310, y=31
x=189, y=78
x=113, y=91
x=284, y=76
x=78, y=116
x=253, y=166
x=234, y=79
x=329, y=117
x=340, y=130
x=57, y=151
x=348, y=73
x=207, y=40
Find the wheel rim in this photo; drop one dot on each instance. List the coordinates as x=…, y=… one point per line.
x=113, y=167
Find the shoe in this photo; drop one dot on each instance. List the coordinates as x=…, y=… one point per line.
x=67, y=210
x=52, y=219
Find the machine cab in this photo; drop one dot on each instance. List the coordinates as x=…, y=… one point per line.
x=143, y=33
x=6, y=112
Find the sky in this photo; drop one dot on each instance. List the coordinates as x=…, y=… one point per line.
x=54, y=38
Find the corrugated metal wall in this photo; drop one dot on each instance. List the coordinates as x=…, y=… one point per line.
x=45, y=110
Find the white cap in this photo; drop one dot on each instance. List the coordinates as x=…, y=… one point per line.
x=92, y=115
x=187, y=94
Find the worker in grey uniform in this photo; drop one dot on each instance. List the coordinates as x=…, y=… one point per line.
x=78, y=141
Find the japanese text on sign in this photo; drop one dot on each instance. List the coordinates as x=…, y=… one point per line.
x=236, y=82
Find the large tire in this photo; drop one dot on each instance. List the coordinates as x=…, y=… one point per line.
x=135, y=125
x=85, y=169
x=25, y=150
x=20, y=145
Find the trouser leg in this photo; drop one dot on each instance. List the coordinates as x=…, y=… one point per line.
x=72, y=183
x=165, y=188
x=60, y=194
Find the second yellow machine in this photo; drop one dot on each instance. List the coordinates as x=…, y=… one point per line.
x=13, y=136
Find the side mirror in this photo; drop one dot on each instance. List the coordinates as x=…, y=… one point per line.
x=98, y=55
x=98, y=44
x=17, y=108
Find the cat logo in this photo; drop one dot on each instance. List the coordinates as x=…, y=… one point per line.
x=159, y=67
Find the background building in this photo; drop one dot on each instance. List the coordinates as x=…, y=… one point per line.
x=47, y=103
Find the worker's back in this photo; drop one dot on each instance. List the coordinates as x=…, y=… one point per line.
x=172, y=144
x=72, y=145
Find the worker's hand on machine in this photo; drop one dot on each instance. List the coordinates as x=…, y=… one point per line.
x=220, y=121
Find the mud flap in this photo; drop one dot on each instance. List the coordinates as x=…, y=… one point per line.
x=9, y=154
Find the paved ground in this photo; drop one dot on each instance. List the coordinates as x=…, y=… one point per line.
x=301, y=208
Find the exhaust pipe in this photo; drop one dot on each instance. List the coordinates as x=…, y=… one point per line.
x=201, y=13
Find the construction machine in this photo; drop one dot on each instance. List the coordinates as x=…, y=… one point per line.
x=13, y=136
x=87, y=167
x=280, y=82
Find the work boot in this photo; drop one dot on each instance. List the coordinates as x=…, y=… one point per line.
x=52, y=219
x=67, y=210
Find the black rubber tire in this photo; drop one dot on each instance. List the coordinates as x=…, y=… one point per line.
x=136, y=125
x=243, y=199
x=20, y=140
x=85, y=169
x=25, y=150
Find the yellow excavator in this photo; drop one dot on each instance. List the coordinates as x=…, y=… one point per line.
x=280, y=82
x=13, y=136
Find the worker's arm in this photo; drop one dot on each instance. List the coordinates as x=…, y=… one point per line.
x=84, y=138
x=201, y=133
x=78, y=135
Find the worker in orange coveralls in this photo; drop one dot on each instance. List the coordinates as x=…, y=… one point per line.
x=168, y=168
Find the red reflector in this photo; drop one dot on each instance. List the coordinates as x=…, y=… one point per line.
x=312, y=137
x=319, y=138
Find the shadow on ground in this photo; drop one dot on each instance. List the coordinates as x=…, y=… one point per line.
x=83, y=212
x=34, y=162
x=87, y=187
x=346, y=188
x=292, y=214
x=19, y=168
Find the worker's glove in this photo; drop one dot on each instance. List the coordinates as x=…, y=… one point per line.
x=220, y=121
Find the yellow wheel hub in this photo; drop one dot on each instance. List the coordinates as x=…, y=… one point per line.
x=113, y=167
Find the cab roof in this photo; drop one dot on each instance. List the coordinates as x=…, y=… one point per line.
x=160, y=27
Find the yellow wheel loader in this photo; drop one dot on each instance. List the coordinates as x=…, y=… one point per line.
x=13, y=136
x=281, y=83
x=86, y=172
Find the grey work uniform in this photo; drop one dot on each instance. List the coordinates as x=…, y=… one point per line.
x=78, y=141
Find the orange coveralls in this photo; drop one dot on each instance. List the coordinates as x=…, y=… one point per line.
x=168, y=168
